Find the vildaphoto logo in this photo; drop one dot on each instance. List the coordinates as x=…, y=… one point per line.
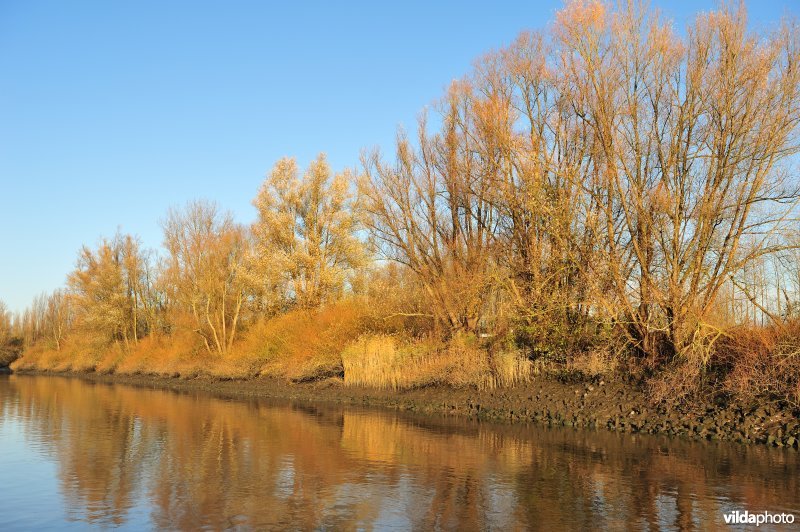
x=737, y=517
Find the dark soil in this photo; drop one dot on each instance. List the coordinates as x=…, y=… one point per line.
x=616, y=406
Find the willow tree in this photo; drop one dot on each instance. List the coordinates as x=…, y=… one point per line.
x=7, y=353
x=106, y=292
x=687, y=138
x=204, y=272
x=432, y=210
x=58, y=317
x=5, y=322
x=536, y=157
x=306, y=232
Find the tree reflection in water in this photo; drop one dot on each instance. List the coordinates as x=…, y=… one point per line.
x=199, y=461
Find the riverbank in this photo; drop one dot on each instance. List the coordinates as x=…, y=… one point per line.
x=616, y=406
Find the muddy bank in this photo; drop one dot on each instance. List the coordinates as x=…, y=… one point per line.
x=614, y=406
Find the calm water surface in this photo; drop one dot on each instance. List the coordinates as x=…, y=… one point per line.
x=76, y=455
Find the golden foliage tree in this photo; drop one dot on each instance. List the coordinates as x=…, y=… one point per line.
x=107, y=291
x=204, y=271
x=306, y=232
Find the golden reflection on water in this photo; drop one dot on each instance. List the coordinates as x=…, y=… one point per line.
x=198, y=461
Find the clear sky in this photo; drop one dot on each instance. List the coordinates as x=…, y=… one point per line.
x=110, y=112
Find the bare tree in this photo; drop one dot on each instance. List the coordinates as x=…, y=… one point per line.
x=204, y=271
x=687, y=138
x=6, y=335
x=432, y=211
x=59, y=317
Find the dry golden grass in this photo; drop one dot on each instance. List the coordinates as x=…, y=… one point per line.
x=377, y=361
x=172, y=355
x=510, y=368
x=390, y=362
x=74, y=355
x=303, y=345
x=761, y=362
x=175, y=355
x=298, y=345
x=594, y=362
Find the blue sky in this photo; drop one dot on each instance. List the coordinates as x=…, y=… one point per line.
x=110, y=112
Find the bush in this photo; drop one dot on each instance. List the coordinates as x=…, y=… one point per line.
x=303, y=344
x=762, y=363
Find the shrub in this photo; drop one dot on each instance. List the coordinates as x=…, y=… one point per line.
x=303, y=344
x=762, y=363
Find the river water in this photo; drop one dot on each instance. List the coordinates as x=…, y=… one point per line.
x=77, y=455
